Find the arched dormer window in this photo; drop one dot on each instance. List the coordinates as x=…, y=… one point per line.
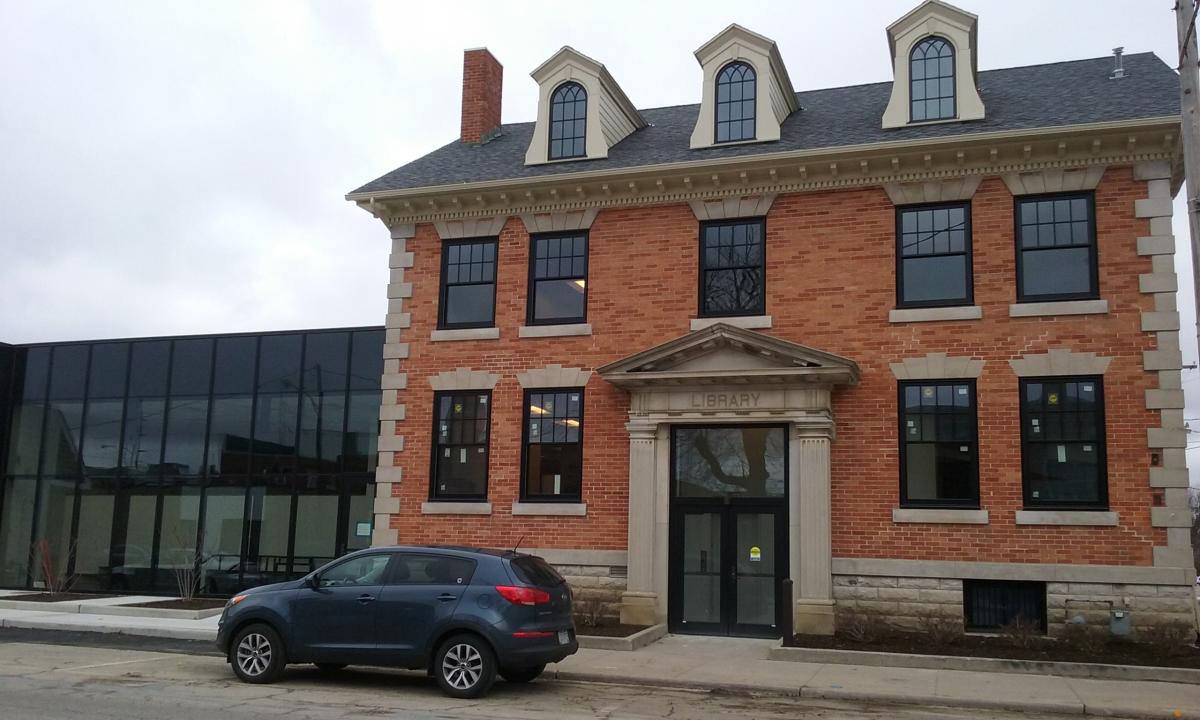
x=568, y=122
x=735, y=102
x=931, y=78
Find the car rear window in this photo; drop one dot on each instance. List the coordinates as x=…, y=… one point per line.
x=535, y=571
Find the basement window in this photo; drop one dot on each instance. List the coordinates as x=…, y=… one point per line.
x=989, y=605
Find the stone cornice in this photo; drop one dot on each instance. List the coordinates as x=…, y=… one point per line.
x=845, y=167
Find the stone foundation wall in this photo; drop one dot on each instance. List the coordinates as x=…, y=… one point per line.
x=1148, y=605
x=596, y=590
x=902, y=601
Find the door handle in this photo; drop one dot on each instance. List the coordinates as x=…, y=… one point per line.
x=364, y=599
x=446, y=597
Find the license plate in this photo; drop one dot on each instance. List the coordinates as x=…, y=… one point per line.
x=564, y=637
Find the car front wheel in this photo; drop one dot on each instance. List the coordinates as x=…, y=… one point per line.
x=521, y=675
x=465, y=666
x=258, y=655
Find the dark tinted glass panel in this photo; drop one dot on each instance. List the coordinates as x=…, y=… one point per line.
x=934, y=279
x=938, y=444
x=234, y=370
x=316, y=523
x=735, y=103
x=279, y=363
x=25, y=437
x=554, y=444
x=148, y=366
x=325, y=358
x=362, y=432
x=990, y=605
x=191, y=366
x=361, y=515
x=102, y=437
x=223, y=525
x=270, y=527
x=535, y=571
x=1062, y=430
x=16, y=529
x=177, y=532
x=52, y=526
x=931, y=80
x=366, y=360
x=68, y=376
x=187, y=420
x=60, y=445
x=1057, y=272
x=568, y=121
x=144, y=421
x=468, y=284
x=469, y=304
x=275, y=428
x=745, y=461
x=461, y=444
x=1056, y=247
x=109, y=366
x=322, y=415
x=229, y=435
x=559, y=276
x=37, y=373
x=733, y=268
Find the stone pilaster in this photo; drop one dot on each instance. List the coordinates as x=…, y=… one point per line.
x=639, y=602
x=810, y=545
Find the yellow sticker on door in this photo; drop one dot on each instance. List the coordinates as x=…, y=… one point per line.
x=755, y=554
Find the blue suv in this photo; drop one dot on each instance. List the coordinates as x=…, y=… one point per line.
x=462, y=614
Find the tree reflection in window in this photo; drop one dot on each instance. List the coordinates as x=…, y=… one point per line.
x=747, y=461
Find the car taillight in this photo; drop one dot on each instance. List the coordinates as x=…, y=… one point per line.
x=523, y=595
x=526, y=634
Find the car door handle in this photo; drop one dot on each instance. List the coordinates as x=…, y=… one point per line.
x=364, y=599
x=447, y=597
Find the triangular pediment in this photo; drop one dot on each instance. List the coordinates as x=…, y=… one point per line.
x=723, y=353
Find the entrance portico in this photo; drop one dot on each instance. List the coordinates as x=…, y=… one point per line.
x=730, y=376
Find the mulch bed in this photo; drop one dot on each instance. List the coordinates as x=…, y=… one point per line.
x=1116, y=652
x=608, y=630
x=193, y=604
x=55, y=597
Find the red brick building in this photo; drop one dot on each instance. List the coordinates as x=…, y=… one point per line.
x=913, y=345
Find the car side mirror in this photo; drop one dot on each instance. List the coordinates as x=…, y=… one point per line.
x=312, y=582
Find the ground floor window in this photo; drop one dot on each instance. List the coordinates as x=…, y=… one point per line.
x=995, y=604
x=554, y=444
x=939, y=464
x=1062, y=442
x=460, y=447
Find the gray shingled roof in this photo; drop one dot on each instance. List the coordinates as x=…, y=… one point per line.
x=1036, y=96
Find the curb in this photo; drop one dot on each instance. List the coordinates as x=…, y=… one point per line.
x=73, y=607
x=169, y=633
x=639, y=639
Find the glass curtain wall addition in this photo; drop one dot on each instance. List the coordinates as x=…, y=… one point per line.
x=128, y=461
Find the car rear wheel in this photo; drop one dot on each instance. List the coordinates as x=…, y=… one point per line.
x=330, y=667
x=521, y=675
x=465, y=666
x=258, y=655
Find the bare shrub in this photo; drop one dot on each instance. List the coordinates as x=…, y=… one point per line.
x=52, y=570
x=938, y=630
x=1171, y=639
x=1022, y=633
x=860, y=627
x=589, y=612
x=189, y=567
x=1086, y=639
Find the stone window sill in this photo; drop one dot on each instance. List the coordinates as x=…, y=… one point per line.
x=935, y=314
x=548, y=508
x=746, y=322
x=1065, y=307
x=488, y=333
x=543, y=331
x=456, y=508
x=1092, y=518
x=939, y=516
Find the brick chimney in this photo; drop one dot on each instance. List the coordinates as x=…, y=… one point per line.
x=483, y=81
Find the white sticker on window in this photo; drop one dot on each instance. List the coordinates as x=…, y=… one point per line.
x=1087, y=388
x=963, y=448
x=1062, y=453
x=483, y=399
x=480, y=450
x=462, y=455
x=1087, y=448
x=912, y=423
x=962, y=391
x=447, y=452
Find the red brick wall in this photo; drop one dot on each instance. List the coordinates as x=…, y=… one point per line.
x=482, y=89
x=831, y=283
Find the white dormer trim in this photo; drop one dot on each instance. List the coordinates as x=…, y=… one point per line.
x=611, y=117
x=956, y=26
x=775, y=98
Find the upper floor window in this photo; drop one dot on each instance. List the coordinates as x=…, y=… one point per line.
x=460, y=445
x=735, y=102
x=933, y=255
x=468, y=294
x=554, y=444
x=939, y=463
x=558, y=279
x=1062, y=442
x=733, y=268
x=568, y=122
x=931, y=74
x=1056, y=248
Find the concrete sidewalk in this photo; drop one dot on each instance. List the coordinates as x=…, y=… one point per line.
x=740, y=665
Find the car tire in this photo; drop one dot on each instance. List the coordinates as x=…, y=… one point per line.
x=522, y=675
x=257, y=654
x=330, y=667
x=465, y=666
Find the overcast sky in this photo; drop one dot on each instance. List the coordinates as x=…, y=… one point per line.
x=179, y=167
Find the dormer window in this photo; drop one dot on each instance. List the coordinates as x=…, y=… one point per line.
x=931, y=69
x=935, y=65
x=568, y=122
x=735, y=102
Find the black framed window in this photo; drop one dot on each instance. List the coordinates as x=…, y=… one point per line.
x=989, y=605
x=553, y=444
x=733, y=268
x=735, y=103
x=468, y=294
x=1056, y=247
x=460, y=445
x=939, y=460
x=931, y=80
x=1062, y=443
x=568, y=122
x=558, y=279
x=933, y=255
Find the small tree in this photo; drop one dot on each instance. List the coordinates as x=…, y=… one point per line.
x=52, y=570
x=188, y=573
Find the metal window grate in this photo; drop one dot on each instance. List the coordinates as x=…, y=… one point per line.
x=992, y=604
